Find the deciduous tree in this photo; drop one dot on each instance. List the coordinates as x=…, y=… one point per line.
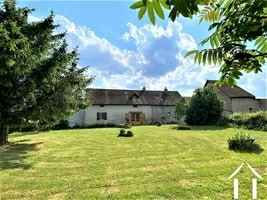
x=181, y=108
x=40, y=81
x=205, y=107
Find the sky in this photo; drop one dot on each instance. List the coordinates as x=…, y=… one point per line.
x=126, y=53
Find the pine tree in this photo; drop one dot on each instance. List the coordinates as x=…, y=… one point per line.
x=40, y=79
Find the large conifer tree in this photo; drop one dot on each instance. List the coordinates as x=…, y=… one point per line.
x=39, y=78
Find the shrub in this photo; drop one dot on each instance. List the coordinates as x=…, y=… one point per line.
x=223, y=121
x=96, y=126
x=110, y=125
x=242, y=142
x=120, y=126
x=183, y=128
x=129, y=134
x=205, y=107
x=64, y=124
x=257, y=120
x=158, y=123
x=122, y=133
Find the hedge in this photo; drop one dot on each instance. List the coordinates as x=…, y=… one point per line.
x=256, y=120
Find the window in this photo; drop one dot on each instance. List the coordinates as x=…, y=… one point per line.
x=250, y=109
x=135, y=116
x=101, y=116
x=102, y=105
x=135, y=106
x=134, y=99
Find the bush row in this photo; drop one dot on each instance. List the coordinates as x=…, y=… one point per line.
x=256, y=121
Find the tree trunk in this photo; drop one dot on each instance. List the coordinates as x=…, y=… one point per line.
x=4, y=131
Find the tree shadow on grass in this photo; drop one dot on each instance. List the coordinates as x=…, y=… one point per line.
x=19, y=134
x=251, y=149
x=15, y=154
x=203, y=128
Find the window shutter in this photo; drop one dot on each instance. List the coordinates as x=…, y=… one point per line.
x=98, y=116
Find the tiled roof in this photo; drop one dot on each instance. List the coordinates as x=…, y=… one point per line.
x=235, y=92
x=130, y=97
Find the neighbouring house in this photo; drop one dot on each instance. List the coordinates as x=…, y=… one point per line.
x=237, y=99
x=122, y=106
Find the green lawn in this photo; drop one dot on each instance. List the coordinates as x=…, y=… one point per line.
x=157, y=163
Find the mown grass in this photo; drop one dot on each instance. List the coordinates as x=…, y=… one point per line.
x=157, y=163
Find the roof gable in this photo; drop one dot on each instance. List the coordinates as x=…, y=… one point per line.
x=235, y=92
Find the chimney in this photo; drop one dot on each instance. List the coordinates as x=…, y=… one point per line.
x=144, y=88
x=165, y=89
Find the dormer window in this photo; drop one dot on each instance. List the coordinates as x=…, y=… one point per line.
x=134, y=98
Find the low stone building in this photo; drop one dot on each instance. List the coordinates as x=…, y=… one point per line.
x=121, y=106
x=237, y=99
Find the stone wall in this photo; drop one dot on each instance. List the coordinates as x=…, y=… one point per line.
x=263, y=104
x=245, y=104
x=227, y=102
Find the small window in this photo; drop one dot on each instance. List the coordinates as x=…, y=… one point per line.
x=101, y=105
x=250, y=109
x=101, y=116
x=135, y=106
x=169, y=113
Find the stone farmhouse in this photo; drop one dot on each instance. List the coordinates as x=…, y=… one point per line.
x=145, y=106
x=135, y=106
x=237, y=99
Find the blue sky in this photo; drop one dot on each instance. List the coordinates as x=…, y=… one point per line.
x=127, y=53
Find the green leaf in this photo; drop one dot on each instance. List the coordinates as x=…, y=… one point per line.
x=220, y=56
x=214, y=57
x=151, y=14
x=144, y=2
x=199, y=57
x=213, y=25
x=264, y=47
x=158, y=9
x=200, y=20
x=204, y=57
x=173, y=13
x=259, y=39
x=163, y=3
x=215, y=40
x=190, y=53
x=209, y=56
x=261, y=43
x=212, y=42
x=230, y=81
x=136, y=5
x=141, y=12
x=196, y=57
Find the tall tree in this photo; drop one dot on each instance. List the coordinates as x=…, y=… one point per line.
x=234, y=24
x=205, y=107
x=180, y=108
x=39, y=78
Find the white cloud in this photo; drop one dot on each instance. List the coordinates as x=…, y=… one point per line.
x=255, y=83
x=156, y=61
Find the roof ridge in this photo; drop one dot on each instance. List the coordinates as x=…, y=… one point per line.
x=133, y=90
